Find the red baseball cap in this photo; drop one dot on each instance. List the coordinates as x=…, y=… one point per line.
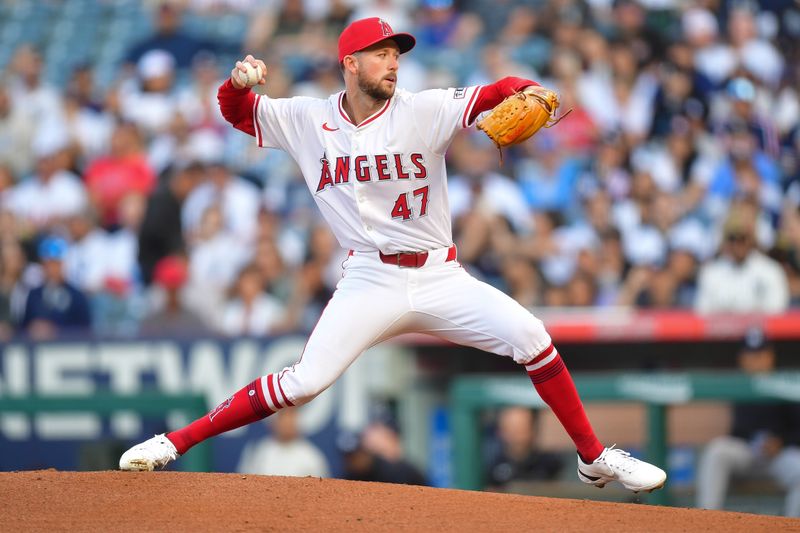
x=364, y=33
x=171, y=272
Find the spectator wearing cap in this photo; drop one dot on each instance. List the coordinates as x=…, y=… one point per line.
x=52, y=192
x=739, y=109
x=170, y=315
x=764, y=439
x=56, y=306
x=742, y=279
x=151, y=103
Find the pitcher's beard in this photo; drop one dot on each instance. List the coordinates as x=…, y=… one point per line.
x=375, y=89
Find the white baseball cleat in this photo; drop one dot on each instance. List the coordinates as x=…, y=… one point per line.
x=149, y=455
x=618, y=465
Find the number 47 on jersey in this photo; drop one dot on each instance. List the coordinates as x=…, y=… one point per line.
x=404, y=205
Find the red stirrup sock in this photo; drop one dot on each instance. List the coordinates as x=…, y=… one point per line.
x=554, y=384
x=248, y=405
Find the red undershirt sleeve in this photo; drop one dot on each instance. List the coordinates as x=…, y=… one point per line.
x=237, y=106
x=494, y=93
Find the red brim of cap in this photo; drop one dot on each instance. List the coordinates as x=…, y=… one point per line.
x=404, y=41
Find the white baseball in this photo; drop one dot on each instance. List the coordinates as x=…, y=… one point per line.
x=251, y=76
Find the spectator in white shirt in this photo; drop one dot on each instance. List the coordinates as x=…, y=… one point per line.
x=150, y=102
x=238, y=199
x=52, y=193
x=216, y=256
x=713, y=58
x=39, y=100
x=251, y=311
x=122, y=298
x=85, y=259
x=197, y=100
x=755, y=53
x=286, y=452
x=215, y=259
x=742, y=279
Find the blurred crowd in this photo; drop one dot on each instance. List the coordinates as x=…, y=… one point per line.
x=133, y=208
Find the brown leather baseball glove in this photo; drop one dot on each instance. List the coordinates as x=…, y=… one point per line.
x=520, y=115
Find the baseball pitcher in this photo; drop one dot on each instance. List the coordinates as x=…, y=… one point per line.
x=373, y=157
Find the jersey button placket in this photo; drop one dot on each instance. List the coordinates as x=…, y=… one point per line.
x=358, y=187
x=361, y=204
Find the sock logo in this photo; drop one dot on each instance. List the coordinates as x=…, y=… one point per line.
x=218, y=409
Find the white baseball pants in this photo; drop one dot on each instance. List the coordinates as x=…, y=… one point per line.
x=375, y=301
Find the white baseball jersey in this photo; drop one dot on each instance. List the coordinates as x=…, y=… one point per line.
x=380, y=185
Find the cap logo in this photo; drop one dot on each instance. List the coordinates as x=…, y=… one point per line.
x=385, y=28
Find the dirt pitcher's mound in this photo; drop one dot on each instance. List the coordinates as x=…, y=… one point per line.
x=176, y=501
